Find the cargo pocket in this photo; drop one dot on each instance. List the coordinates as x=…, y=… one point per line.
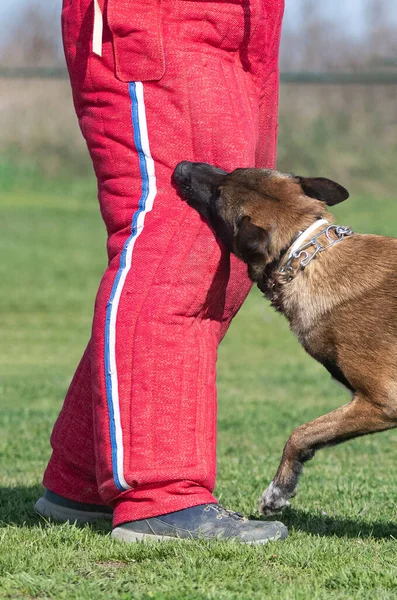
x=136, y=29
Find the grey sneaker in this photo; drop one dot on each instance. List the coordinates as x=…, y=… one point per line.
x=207, y=521
x=53, y=506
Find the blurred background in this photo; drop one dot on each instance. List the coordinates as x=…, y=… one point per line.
x=338, y=109
x=338, y=118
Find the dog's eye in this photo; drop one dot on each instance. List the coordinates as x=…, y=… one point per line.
x=216, y=194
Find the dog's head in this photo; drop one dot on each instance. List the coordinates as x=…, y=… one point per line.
x=255, y=212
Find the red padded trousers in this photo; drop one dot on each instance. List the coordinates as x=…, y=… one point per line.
x=177, y=80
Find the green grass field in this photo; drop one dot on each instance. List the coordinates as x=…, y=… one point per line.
x=343, y=523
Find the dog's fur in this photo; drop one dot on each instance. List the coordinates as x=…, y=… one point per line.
x=342, y=307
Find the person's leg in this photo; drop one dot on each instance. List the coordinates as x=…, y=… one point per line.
x=259, y=59
x=160, y=414
x=155, y=407
x=71, y=469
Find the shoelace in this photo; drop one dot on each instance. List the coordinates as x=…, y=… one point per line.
x=225, y=512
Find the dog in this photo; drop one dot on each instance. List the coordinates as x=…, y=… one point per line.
x=337, y=288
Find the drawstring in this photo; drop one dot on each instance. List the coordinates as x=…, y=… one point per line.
x=98, y=29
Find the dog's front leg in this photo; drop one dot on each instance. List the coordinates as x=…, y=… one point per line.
x=360, y=416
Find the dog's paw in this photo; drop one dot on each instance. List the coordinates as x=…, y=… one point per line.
x=272, y=501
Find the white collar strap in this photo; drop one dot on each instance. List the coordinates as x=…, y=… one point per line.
x=306, y=234
x=313, y=240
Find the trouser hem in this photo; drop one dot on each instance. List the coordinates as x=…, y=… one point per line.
x=134, y=508
x=73, y=484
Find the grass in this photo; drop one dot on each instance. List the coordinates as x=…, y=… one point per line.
x=343, y=524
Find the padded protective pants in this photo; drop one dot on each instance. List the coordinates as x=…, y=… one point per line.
x=177, y=80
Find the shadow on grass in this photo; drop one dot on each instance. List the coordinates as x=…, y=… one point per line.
x=17, y=508
x=325, y=525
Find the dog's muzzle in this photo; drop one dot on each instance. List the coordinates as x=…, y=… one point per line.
x=196, y=183
x=182, y=173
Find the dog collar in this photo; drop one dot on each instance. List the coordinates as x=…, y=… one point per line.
x=302, y=252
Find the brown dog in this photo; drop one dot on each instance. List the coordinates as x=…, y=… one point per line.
x=338, y=291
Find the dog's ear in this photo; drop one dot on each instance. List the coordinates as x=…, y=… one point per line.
x=252, y=246
x=323, y=189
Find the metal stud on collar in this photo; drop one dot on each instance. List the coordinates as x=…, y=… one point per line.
x=306, y=257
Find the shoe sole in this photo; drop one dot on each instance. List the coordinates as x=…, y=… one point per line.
x=124, y=535
x=49, y=510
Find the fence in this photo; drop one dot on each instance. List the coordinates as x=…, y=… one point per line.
x=334, y=78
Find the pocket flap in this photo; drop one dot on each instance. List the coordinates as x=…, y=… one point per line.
x=136, y=28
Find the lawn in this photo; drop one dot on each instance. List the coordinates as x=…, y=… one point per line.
x=343, y=524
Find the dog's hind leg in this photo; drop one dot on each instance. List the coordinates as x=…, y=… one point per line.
x=359, y=417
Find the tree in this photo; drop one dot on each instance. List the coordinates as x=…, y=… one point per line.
x=34, y=38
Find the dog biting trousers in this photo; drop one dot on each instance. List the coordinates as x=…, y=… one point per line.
x=177, y=80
